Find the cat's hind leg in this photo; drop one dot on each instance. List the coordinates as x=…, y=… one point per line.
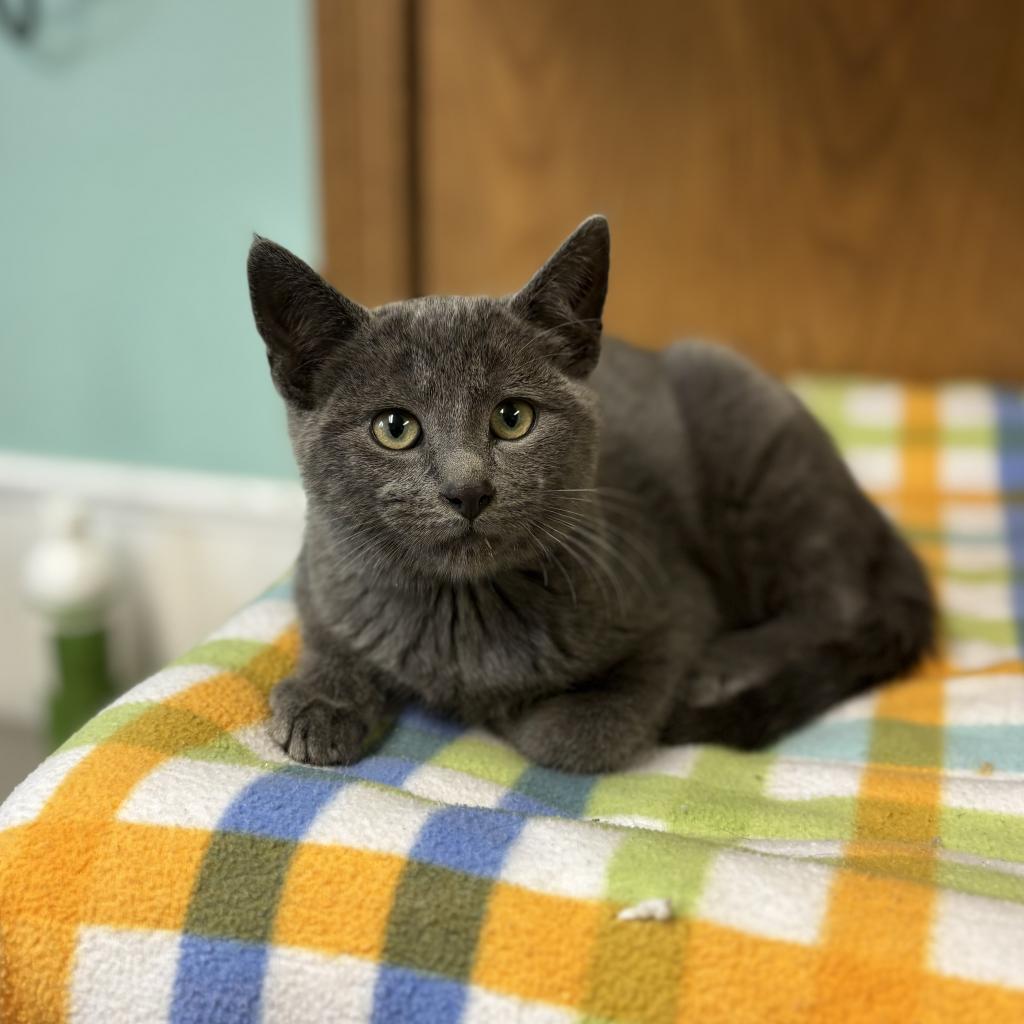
x=753, y=685
x=822, y=595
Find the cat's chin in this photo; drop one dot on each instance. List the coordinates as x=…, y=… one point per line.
x=472, y=554
x=467, y=555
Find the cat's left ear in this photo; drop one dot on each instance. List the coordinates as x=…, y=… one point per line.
x=566, y=297
x=301, y=319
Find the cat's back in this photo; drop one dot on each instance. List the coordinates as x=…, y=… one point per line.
x=642, y=390
x=674, y=419
x=735, y=414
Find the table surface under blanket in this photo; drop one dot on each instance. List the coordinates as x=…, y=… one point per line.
x=169, y=864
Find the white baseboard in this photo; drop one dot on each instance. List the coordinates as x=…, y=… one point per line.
x=189, y=547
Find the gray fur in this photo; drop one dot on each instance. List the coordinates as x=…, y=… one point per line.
x=674, y=552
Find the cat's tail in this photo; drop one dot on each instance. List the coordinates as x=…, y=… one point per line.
x=898, y=630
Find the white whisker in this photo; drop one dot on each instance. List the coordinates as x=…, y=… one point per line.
x=586, y=532
x=589, y=561
x=568, y=578
x=612, y=533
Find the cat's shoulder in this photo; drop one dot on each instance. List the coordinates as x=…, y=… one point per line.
x=696, y=365
x=715, y=379
x=626, y=370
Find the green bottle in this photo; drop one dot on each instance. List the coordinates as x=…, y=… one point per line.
x=69, y=580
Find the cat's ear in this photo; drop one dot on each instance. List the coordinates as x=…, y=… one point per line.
x=566, y=297
x=300, y=317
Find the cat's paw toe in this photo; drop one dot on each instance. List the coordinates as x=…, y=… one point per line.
x=314, y=729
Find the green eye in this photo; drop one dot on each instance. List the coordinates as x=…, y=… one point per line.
x=396, y=429
x=512, y=419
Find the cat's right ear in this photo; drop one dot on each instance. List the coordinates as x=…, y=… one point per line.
x=300, y=318
x=566, y=297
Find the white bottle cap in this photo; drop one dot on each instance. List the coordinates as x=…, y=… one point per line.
x=67, y=573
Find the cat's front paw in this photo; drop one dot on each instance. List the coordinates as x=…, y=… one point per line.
x=313, y=728
x=570, y=733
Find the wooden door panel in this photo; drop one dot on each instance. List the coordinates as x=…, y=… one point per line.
x=834, y=185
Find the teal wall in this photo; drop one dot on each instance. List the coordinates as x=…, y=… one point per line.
x=141, y=144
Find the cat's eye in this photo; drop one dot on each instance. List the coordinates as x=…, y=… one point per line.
x=512, y=419
x=396, y=429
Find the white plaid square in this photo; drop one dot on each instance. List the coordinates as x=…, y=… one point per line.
x=257, y=741
x=123, y=975
x=770, y=896
x=994, y=794
x=968, y=468
x=985, y=600
x=369, y=818
x=874, y=405
x=30, y=797
x=563, y=858
x=304, y=987
x=978, y=939
x=186, y=793
x=166, y=683
x=966, y=405
x=876, y=467
x=448, y=786
x=974, y=521
x=979, y=556
x=790, y=779
x=968, y=652
x=484, y=1007
x=985, y=700
x=263, y=621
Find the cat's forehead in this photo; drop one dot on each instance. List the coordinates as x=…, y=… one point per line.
x=437, y=340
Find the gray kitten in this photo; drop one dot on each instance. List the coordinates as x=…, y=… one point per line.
x=587, y=557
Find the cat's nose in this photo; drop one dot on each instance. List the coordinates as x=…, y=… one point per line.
x=469, y=500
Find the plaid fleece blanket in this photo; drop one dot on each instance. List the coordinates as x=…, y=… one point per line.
x=168, y=863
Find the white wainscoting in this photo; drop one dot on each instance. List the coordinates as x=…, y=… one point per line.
x=189, y=549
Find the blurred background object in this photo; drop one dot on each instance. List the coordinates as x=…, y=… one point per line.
x=141, y=144
x=68, y=579
x=833, y=186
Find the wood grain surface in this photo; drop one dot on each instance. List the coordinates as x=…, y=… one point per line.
x=363, y=70
x=834, y=185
